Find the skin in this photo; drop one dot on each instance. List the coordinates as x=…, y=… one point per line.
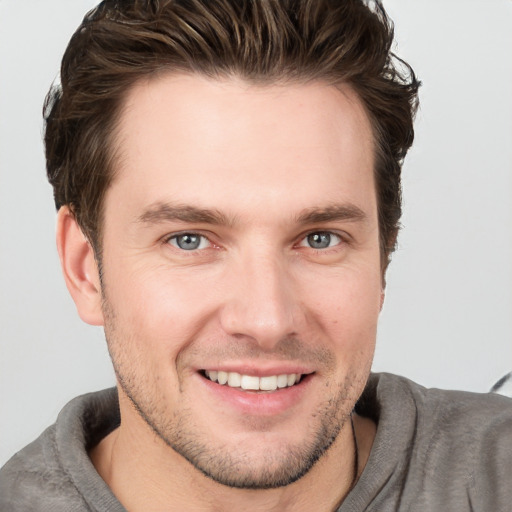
x=253, y=171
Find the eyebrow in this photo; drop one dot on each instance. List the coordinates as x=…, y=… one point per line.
x=166, y=212
x=344, y=212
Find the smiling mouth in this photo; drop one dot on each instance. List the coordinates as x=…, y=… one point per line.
x=252, y=382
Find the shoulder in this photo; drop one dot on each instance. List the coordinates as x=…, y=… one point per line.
x=461, y=442
x=485, y=419
x=54, y=472
x=459, y=412
x=33, y=479
x=392, y=391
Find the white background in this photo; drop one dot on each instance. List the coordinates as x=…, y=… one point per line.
x=447, y=321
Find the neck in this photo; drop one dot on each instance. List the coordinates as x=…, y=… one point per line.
x=146, y=475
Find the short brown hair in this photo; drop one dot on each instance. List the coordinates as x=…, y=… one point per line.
x=260, y=41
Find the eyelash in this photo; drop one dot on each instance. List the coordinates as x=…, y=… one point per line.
x=302, y=242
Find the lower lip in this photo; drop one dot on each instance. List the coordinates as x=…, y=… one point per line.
x=263, y=403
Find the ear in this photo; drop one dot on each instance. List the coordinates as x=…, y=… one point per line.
x=382, y=297
x=79, y=268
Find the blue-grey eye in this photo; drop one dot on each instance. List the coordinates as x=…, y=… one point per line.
x=189, y=241
x=321, y=240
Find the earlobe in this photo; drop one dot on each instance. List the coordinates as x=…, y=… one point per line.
x=382, y=297
x=79, y=268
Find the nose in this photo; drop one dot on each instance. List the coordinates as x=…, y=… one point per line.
x=261, y=302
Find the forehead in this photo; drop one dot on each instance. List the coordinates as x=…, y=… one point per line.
x=186, y=138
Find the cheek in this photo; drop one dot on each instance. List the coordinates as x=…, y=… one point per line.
x=158, y=307
x=347, y=306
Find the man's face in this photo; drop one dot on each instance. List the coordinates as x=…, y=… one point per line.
x=241, y=243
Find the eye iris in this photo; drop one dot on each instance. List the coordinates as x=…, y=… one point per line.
x=319, y=240
x=188, y=242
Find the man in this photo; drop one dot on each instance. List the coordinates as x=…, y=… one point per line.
x=227, y=179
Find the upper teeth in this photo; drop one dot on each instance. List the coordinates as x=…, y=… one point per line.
x=251, y=382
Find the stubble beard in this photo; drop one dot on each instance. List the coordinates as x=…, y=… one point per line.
x=224, y=463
